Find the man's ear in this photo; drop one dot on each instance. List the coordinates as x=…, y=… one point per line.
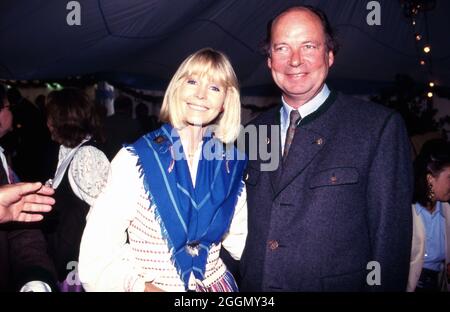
x=330, y=58
x=269, y=62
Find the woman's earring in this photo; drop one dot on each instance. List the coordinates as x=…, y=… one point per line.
x=431, y=195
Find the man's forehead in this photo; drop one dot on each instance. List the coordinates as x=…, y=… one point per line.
x=299, y=14
x=298, y=21
x=307, y=30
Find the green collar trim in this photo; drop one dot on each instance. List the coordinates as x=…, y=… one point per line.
x=321, y=110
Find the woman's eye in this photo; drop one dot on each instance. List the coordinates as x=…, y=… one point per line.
x=214, y=88
x=191, y=81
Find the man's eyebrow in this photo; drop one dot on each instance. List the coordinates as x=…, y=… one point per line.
x=310, y=41
x=303, y=42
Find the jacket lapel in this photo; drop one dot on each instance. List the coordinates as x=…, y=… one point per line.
x=275, y=145
x=305, y=146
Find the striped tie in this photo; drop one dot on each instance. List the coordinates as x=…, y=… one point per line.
x=294, y=120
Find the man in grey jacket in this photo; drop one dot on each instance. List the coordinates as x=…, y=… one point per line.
x=335, y=214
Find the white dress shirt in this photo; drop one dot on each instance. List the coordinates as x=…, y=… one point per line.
x=309, y=107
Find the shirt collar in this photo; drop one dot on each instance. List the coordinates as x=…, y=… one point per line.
x=309, y=107
x=420, y=209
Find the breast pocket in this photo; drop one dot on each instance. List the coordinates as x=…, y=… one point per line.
x=334, y=177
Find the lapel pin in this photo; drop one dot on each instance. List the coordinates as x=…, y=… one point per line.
x=159, y=139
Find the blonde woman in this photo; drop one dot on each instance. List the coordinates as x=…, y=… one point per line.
x=175, y=196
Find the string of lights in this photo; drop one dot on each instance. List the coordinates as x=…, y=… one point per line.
x=414, y=10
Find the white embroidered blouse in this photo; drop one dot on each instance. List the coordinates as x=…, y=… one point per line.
x=88, y=171
x=122, y=245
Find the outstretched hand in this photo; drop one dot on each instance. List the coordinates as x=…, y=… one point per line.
x=24, y=202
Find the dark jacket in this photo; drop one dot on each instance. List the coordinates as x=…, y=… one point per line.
x=341, y=200
x=23, y=254
x=24, y=258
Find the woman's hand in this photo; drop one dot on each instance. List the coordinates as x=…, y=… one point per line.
x=149, y=287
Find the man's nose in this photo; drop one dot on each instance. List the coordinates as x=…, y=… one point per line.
x=296, y=58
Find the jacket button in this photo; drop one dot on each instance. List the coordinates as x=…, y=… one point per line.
x=246, y=177
x=273, y=244
x=333, y=179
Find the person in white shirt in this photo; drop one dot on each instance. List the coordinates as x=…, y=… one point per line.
x=176, y=195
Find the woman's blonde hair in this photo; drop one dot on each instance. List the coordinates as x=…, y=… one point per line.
x=217, y=67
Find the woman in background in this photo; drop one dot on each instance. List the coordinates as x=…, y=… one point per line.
x=80, y=176
x=430, y=255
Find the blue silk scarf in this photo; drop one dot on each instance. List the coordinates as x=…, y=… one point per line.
x=191, y=219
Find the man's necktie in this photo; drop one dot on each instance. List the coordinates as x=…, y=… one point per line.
x=294, y=119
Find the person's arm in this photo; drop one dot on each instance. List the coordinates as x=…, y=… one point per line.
x=389, y=196
x=106, y=261
x=234, y=241
x=24, y=202
x=88, y=173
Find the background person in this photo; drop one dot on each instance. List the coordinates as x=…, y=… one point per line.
x=430, y=253
x=24, y=262
x=79, y=178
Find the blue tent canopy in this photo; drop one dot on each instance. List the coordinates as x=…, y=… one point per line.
x=141, y=42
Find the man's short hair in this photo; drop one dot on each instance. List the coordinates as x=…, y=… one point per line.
x=331, y=42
